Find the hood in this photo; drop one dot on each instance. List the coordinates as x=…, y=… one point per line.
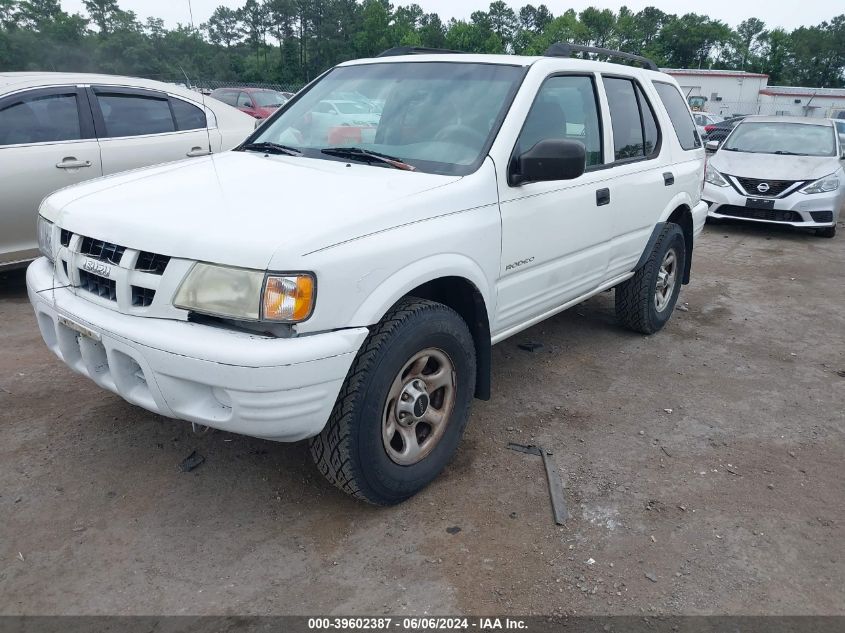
x=239, y=208
x=773, y=166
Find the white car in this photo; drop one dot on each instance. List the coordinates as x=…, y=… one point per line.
x=359, y=310
x=703, y=119
x=780, y=170
x=58, y=129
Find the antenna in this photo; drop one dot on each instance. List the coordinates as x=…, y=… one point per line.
x=202, y=94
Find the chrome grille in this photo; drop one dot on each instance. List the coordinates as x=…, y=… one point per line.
x=775, y=187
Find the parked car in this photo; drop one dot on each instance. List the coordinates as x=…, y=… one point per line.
x=840, y=129
x=703, y=119
x=781, y=170
x=360, y=310
x=719, y=131
x=258, y=103
x=57, y=129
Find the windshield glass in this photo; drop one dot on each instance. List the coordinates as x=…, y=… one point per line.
x=269, y=99
x=782, y=138
x=435, y=116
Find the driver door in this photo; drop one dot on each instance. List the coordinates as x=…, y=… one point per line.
x=555, y=235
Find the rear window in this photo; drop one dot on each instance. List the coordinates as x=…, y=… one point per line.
x=188, y=117
x=635, y=132
x=679, y=114
x=135, y=115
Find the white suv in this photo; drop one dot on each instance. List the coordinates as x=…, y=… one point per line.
x=349, y=291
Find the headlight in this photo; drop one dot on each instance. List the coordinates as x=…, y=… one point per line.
x=714, y=177
x=822, y=185
x=250, y=295
x=45, y=237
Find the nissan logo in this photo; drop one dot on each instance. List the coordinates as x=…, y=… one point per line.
x=763, y=187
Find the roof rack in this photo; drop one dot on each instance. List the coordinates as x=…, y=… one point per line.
x=564, y=49
x=415, y=50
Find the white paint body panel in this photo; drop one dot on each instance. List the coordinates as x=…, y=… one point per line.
x=370, y=235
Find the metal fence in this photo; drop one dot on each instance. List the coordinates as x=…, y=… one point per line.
x=777, y=108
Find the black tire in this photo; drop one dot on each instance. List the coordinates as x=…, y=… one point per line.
x=636, y=306
x=828, y=231
x=350, y=451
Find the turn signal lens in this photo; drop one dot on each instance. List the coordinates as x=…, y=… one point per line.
x=288, y=298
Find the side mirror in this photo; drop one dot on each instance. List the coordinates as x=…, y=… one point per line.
x=712, y=146
x=551, y=159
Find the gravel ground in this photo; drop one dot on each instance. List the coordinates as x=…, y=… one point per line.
x=702, y=465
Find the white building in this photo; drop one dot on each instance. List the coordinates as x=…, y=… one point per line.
x=730, y=92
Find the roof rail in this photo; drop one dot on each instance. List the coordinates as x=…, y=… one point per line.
x=415, y=50
x=564, y=49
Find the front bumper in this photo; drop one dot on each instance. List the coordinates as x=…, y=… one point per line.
x=796, y=209
x=277, y=389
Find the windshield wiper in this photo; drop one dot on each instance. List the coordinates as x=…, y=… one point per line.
x=783, y=152
x=271, y=148
x=358, y=153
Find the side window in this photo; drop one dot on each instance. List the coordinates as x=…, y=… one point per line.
x=625, y=118
x=40, y=119
x=679, y=114
x=565, y=108
x=127, y=114
x=188, y=116
x=244, y=101
x=651, y=132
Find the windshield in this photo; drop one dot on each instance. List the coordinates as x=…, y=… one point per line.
x=800, y=139
x=269, y=99
x=436, y=116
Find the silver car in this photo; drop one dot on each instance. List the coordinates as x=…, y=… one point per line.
x=58, y=129
x=781, y=170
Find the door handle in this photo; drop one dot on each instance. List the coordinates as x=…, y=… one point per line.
x=198, y=151
x=668, y=178
x=602, y=197
x=71, y=163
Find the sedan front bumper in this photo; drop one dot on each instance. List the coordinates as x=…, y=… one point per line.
x=811, y=211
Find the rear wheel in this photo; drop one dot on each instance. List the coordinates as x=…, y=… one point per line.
x=404, y=406
x=645, y=302
x=828, y=231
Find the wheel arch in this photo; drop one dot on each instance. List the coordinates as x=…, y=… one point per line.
x=456, y=282
x=679, y=212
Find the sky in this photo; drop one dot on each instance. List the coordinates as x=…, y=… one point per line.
x=784, y=13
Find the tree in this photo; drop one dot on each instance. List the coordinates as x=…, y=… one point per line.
x=223, y=27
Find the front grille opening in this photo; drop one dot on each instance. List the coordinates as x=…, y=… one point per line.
x=104, y=251
x=152, y=262
x=822, y=216
x=776, y=187
x=100, y=286
x=772, y=215
x=142, y=297
x=65, y=237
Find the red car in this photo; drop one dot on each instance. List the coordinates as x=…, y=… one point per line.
x=257, y=102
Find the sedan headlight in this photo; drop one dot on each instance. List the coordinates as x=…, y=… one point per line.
x=714, y=177
x=244, y=294
x=45, y=237
x=822, y=185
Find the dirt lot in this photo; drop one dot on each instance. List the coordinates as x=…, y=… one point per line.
x=703, y=468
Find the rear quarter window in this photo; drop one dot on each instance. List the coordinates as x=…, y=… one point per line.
x=679, y=114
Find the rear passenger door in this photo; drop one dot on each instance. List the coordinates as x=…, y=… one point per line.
x=145, y=127
x=46, y=142
x=641, y=180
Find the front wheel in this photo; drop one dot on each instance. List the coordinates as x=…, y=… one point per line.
x=404, y=406
x=645, y=302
